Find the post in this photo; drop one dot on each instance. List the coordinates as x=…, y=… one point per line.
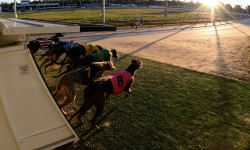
x=103, y=11
x=15, y=14
x=213, y=7
x=166, y=11
x=198, y=12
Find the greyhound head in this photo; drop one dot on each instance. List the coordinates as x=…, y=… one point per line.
x=57, y=35
x=33, y=46
x=55, y=38
x=137, y=63
x=114, y=53
x=106, y=65
x=111, y=65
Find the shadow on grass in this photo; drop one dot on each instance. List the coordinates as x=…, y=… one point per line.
x=225, y=108
x=92, y=131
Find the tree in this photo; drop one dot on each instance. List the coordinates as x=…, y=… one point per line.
x=248, y=9
x=237, y=8
x=228, y=8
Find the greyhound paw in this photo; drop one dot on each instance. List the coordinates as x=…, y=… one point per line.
x=65, y=113
x=97, y=127
x=81, y=120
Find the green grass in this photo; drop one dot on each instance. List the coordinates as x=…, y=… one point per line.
x=170, y=108
x=113, y=16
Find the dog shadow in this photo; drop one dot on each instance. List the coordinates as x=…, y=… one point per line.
x=92, y=130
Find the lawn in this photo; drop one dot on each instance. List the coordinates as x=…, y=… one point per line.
x=114, y=16
x=170, y=108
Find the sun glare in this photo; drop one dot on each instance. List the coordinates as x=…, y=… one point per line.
x=211, y=3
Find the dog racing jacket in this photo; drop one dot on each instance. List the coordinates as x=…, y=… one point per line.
x=44, y=43
x=90, y=48
x=120, y=80
x=69, y=46
x=102, y=55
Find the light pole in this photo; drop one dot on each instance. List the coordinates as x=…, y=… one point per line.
x=103, y=11
x=15, y=14
x=198, y=12
x=166, y=11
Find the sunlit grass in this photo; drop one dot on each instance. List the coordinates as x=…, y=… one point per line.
x=170, y=108
x=114, y=15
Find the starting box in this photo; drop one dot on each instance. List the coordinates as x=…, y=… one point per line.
x=29, y=116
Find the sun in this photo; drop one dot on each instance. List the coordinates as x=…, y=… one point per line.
x=211, y=3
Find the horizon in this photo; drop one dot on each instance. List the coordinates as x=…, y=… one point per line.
x=232, y=2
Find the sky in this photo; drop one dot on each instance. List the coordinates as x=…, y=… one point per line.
x=232, y=2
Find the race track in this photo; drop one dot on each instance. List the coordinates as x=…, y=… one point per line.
x=223, y=49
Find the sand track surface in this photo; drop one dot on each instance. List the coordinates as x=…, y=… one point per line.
x=223, y=49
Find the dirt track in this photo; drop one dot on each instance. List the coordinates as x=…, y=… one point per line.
x=223, y=49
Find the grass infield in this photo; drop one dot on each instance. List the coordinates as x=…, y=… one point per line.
x=170, y=108
x=116, y=16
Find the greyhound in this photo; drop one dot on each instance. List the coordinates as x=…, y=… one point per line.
x=114, y=84
x=98, y=56
x=76, y=52
x=65, y=87
x=43, y=43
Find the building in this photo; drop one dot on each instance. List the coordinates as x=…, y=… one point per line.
x=26, y=6
x=25, y=2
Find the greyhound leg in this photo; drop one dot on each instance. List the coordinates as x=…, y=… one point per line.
x=99, y=104
x=81, y=111
x=85, y=108
x=65, y=103
x=45, y=54
x=47, y=65
x=44, y=62
x=70, y=97
x=61, y=66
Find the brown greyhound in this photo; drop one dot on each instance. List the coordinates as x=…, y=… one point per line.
x=65, y=87
x=96, y=90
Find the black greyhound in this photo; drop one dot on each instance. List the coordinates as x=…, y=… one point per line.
x=55, y=52
x=75, y=53
x=95, y=92
x=43, y=43
x=98, y=56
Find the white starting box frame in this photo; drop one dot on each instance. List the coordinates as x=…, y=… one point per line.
x=29, y=116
